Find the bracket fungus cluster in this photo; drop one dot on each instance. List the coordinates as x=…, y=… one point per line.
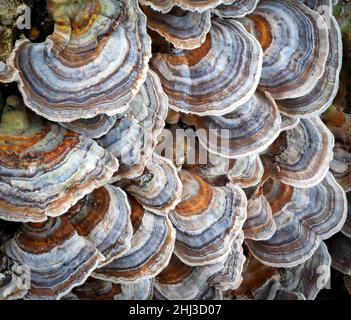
x=174, y=149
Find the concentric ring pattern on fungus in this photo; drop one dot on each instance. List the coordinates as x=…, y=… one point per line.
x=175, y=149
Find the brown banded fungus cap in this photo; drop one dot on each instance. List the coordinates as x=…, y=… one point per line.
x=179, y=281
x=236, y=9
x=194, y=86
x=184, y=29
x=259, y=224
x=321, y=96
x=93, y=127
x=207, y=220
x=152, y=245
x=103, y=217
x=58, y=258
x=93, y=63
x=45, y=169
x=303, y=217
x=159, y=188
x=301, y=156
x=295, y=43
x=246, y=172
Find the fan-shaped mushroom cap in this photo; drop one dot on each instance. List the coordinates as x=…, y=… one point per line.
x=246, y=172
x=165, y=6
x=184, y=29
x=237, y=9
x=323, y=93
x=300, y=157
x=207, y=220
x=133, y=137
x=57, y=257
x=340, y=250
x=93, y=127
x=151, y=248
x=159, y=189
x=304, y=217
x=181, y=282
x=93, y=63
x=192, y=83
x=12, y=286
x=7, y=73
x=247, y=130
x=259, y=224
x=295, y=42
x=95, y=289
x=301, y=282
x=45, y=168
x=103, y=217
